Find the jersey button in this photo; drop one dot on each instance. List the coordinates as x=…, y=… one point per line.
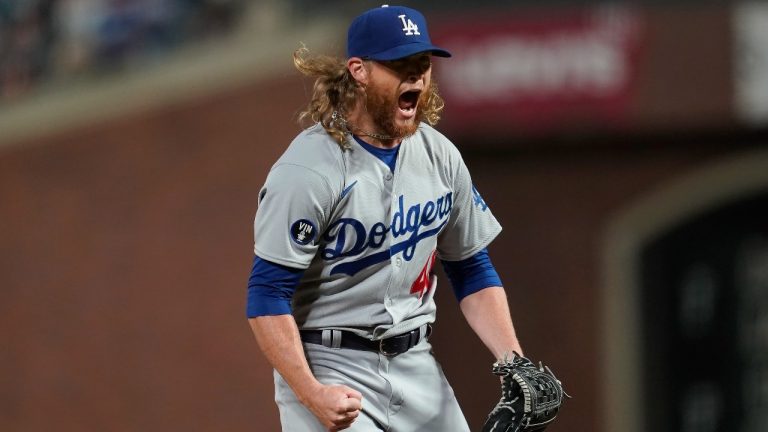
x=398, y=262
x=388, y=177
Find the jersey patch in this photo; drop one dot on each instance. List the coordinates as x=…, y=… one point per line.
x=303, y=231
x=479, y=202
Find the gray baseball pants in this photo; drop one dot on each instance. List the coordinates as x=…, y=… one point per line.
x=405, y=393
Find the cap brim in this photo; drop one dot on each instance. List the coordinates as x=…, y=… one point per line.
x=403, y=51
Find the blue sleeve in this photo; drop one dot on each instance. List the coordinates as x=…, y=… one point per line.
x=472, y=274
x=270, y=288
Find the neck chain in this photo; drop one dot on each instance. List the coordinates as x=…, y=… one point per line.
x=341, y=122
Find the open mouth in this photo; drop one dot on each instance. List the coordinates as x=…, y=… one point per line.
x=408, y=102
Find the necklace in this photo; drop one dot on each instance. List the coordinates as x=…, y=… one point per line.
x=342, y=123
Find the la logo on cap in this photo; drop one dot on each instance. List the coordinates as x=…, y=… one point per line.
x=409, y=28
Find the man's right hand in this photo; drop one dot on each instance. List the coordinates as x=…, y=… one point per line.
x=336, y=406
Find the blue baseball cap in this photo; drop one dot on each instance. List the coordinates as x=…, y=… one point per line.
x=390, y=33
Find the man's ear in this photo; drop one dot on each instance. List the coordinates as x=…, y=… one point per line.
x=358, y=70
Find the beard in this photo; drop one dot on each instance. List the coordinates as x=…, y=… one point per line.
x=382, y=106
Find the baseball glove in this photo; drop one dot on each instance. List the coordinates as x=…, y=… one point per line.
x=530, y=397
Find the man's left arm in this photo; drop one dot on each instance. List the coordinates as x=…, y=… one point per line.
x=531, y=396
x=487, y=313
x=483, y=301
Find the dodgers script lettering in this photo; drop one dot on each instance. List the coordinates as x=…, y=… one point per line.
x=347, y=237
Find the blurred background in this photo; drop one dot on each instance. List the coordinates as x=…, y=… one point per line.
x=623, y=146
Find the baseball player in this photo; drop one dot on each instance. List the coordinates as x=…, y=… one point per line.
x=350, y=222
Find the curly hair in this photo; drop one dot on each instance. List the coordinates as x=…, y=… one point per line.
x=335, y=91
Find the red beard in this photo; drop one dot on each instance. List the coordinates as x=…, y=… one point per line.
x=382, y=107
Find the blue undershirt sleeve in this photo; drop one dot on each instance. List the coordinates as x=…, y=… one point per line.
x=471, y=275
x=270, y=288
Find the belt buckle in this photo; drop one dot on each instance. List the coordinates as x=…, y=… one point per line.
x=383, y=351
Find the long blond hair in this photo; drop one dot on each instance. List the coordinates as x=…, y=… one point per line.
x=335, y=93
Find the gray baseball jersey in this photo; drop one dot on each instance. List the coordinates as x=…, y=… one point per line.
x=368, y=237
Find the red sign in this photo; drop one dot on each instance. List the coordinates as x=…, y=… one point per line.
x=538, y=71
